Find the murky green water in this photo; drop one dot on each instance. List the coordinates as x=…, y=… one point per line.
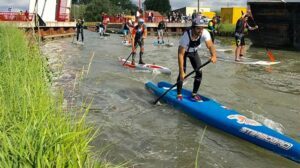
x=161, y=136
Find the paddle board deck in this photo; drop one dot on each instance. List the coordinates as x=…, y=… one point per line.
x=145, y=67
x=126, y=43
x=257, y=62
x=78, y=42
x=247, y=61
x=229, y=120
x=163, y=44
x=224, y=50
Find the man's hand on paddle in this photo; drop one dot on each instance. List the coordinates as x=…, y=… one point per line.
x=213, y=59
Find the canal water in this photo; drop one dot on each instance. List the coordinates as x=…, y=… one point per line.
x=134, y=131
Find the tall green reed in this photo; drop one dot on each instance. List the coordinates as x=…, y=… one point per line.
x=35, y=131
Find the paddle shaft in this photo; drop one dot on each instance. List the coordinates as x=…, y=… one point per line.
x=207, y=62
x=129, y=55
x=127, y=58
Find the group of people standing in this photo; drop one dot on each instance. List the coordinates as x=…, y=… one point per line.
x=190, y=41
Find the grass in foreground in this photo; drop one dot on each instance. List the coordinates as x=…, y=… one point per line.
x=35, y=131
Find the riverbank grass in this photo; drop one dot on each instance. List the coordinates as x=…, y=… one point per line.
x=226, y=28
x=35, y=131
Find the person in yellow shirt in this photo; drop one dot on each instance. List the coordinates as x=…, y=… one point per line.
x=212, y=28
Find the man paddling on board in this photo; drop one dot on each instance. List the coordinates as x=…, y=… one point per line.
x=139, y=33
x=160, y=31
x=239, y=34
x=101, y=29
x=188, y=45
x=126, y=30
x=79, y=28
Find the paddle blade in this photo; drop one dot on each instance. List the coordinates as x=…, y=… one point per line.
x=270, y=55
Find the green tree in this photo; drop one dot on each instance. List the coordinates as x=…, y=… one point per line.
x=124, y=5
x=81, y=1
x=112, y=7
x=95, y=8
x=77, y=11
x=162, y=6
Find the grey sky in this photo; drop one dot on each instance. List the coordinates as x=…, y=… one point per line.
x=216, y=4
x=17, y=4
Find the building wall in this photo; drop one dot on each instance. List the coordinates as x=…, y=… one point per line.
x=63, y=10
x=68, y=8
x=279, y=24
x=45, y=8
x=190, y=10
x=232, y=14
x=209, y=15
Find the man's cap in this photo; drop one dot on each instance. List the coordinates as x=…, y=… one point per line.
x=197, y=22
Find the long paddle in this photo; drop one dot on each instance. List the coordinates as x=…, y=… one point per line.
x=127, y=58
x=207, y=62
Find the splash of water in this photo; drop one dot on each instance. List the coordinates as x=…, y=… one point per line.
x=278, y=127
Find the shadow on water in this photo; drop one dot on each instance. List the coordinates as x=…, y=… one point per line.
x=161, y=136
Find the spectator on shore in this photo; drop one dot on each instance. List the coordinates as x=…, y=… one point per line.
x=26, y=15
x=139, y=14
x=105, y=21
x=150, y=16
x=194, y=15
x=169, y=16
x=173, y=16
x=212, y=28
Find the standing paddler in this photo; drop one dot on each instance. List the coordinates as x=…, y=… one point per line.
x=139, y=33
x=239, y=34
x=188, y=45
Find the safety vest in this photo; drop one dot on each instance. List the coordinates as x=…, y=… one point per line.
x=138, y=33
